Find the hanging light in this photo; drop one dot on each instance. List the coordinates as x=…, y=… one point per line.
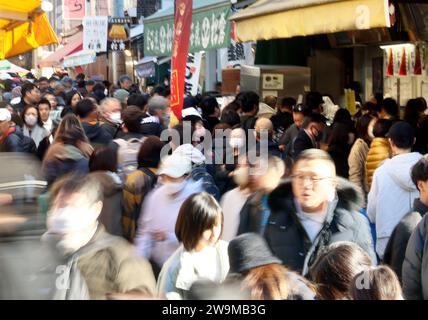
x=128, y=53
x=47, y=6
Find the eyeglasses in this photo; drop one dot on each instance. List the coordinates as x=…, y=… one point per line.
x=300, y=178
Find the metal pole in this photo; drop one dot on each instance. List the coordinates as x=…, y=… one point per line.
x=118, y=59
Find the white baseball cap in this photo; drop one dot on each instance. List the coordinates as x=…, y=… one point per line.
x=175, y=166
x=5, y=115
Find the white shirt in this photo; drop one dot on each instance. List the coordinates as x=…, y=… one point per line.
x=232, y=202
x=159, y=212
x=311, y=222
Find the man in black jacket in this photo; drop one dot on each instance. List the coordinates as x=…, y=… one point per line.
x=313, y=210
x=310, y=134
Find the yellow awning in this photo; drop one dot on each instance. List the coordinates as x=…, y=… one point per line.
x=23, y=27
x=275, y=19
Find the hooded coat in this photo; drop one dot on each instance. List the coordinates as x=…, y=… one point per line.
x=391, y=196
x=97, y=135
x=288, y=239
x=63, y=158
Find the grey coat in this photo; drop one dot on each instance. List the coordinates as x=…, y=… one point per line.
x=288, y=239
x=396, y=249
x=415, y=265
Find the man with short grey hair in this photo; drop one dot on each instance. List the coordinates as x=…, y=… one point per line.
x=110, y=111
x=156, y=119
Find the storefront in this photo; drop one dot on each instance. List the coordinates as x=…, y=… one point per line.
x=210, y=30
x=332, y=37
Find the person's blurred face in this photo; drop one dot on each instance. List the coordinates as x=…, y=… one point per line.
x=89, y=88
x=210, y=236
x=313, y=183
x=126, y=84
x=31, y=116
x=43, y=85
x=33, y=96
x=52, y=84
x=73, y=219
x=298, y=119
x=75, y=100
x=52, y=99
x=44, y=112
x=112, y=111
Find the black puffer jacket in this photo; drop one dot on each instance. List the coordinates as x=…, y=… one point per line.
x=288, y=239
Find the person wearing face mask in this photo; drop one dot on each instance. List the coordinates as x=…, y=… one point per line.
x=233, y=201
x=110, y=111
x=33, y=125
x=94, y=263
x=264, y=177
x=155, y=238
x=201, y=255
x=310, y=135
x=11, y=137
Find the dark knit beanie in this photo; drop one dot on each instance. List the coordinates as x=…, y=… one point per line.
x=248, y=251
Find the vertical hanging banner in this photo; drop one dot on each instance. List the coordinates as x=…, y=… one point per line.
x=95, y=33
x=73, y=9
x=118, y=33
x=180, y=48
x=193, y=71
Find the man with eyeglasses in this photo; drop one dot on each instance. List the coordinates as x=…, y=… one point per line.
x=313, y=210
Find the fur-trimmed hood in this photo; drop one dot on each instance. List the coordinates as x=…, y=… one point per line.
x=348, y=195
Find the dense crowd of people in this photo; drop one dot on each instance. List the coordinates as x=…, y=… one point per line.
x=310, y=203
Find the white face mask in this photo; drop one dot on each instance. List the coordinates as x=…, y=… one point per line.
x=71, y=226
x=116, y=117
x=172, y=188
x=30, y=120
x=236, y=142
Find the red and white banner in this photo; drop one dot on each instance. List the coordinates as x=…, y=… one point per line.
x=180, y=49
x=404, y=60
x=73, y=9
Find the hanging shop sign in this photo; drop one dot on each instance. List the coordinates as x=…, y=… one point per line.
x=209, y=30
x=118, y=33
x=193, y=71
x=236, y=55
x=95, y=33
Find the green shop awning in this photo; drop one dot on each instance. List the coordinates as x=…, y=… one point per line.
x=210, y=28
